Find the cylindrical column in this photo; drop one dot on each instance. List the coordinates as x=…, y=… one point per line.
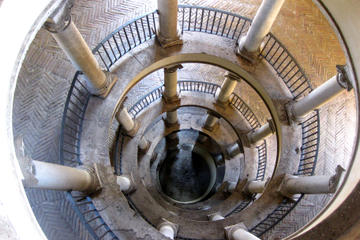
x=171, y=118
x=170, y=82
x=319, y=96
x=72, y=43
x=210, y=122
x=227, y=88
x=309, y=185
x=124, y=182
x=233, y=150
x=143, y=143
x=168, y=229
x=125, y=120
x=261, y=133
x=215, y=217
x=168, y=34
x=261, y=25
x=46, y=175
x=255, y=187
x=242, y=234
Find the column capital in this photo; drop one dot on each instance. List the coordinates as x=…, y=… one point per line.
x=173, y=68
x=93, y=171
x=60, y=19
x=342, y=77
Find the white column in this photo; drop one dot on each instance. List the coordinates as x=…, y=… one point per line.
x=171, y=118
x=143, y=143
x=52, y=176
x=210, y=122
x=227, y=88
x=72, y=43
x=125, y=183
x=242, y=234
x=233, y=150
x=168, y=34
x=261, y=133
x=319, y=96
x=239, y=232
x=170, y=83
x=126, y=120
x=260, y=27
x=255, y=187
x=215, y=217
x=168, y=229
x=311, y=184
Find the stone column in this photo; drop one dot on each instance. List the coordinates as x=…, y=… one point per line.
x=233, y=150
x=170, y=94
x=239, y=232
x=72, y=43
x=126, y=121
x=210, y=122
x=261, y=133
x=52, y=176
x=253, y=187
x=265, y=17
x=227, y=88
x=125, y=183
x=168, y=34
x=321, y=95
x=222, y=97
x=215, y=217
x=144, y=144
x=171, y=118
x=291, y=185
x=168, y=229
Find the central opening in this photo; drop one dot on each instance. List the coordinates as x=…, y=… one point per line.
x=187, y=171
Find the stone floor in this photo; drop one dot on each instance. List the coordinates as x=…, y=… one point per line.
x=46, y=75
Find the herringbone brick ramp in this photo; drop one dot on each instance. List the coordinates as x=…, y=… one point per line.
x=46, y=75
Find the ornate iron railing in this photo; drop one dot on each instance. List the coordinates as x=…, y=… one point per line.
x=286, y=67
x=125, y=38
x=262, y=156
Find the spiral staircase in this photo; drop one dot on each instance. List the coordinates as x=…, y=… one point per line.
x=190, y=178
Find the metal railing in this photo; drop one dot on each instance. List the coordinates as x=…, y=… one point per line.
x=286, y=67
x=212, y=21
x=262, y=159
x=125, y=38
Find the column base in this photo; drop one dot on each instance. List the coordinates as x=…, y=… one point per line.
x=133, y=131
x=175, y=125
x=93, y=170
x=165, y=42
x=111, y=79
x=252, y=57
x=146, y=148
x=292, y=119
x=132, y=187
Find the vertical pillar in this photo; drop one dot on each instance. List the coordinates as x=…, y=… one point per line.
x=171, y=118
x=52, y=176
x=227, y=88
x=233, y=150
x=170, y=94
x=210, y=122
x=239, y=232
x=265, y=17
x=261, y=133
x=168, y=229
x=168, y=34
x=310, y=184
x=253, y=187
x=125, y=183
x=222, y=97
x=215, y=217
x=320, y=96
x=126, y=121
x=143, y=144
x=72, y=43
